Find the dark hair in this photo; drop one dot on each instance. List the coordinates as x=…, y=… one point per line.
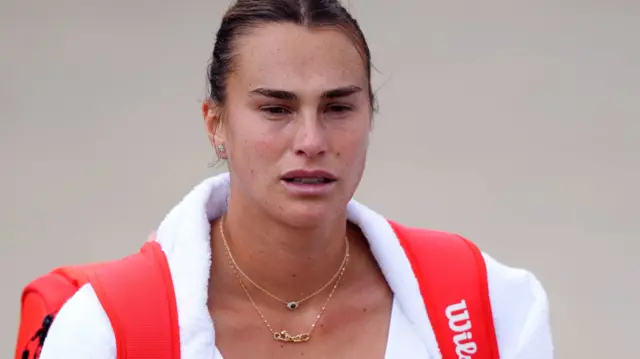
x=244, y=15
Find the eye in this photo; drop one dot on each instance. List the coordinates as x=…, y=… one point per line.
x=275, y=110
x=338, y=108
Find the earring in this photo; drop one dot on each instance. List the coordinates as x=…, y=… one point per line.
x=221, y=148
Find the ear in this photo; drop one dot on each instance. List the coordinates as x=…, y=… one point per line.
x=213, y=125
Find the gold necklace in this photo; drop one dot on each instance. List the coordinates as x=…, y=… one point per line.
x=293, y=304
x=284, y=335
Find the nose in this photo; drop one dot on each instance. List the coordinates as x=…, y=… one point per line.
x=311, y=137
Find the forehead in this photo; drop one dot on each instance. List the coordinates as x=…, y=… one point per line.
x=296, y=58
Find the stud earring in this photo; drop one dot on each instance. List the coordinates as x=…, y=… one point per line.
x=221, y=148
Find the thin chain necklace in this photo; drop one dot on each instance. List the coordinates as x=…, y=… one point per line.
x=283, y=335
x=293, y=304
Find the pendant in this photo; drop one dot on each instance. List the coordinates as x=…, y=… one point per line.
x=284, y=336
x=292, y=305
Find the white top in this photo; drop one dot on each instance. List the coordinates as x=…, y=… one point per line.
x=519, y=303
x=403, y=342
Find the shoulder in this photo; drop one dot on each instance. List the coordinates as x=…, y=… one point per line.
x=80, y=330
x=520, y=311
x=518, y=300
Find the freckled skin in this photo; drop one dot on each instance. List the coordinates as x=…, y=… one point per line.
x=307, y=133
x=261, y=147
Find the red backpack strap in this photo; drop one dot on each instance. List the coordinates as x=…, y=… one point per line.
x=137, y=294
x=452, y=276
x=41, y=300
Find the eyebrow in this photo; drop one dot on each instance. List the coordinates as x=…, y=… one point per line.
x=289, y=96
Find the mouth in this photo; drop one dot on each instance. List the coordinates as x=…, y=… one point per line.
x=308, y=180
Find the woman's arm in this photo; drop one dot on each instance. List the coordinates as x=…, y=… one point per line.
x=81, y=330
x=520, y=312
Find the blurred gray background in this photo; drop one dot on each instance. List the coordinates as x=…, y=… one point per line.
x=514, y=123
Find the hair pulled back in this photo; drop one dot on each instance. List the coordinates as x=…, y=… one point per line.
x=244, y=15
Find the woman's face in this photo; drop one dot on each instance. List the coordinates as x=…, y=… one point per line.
x=296, y=122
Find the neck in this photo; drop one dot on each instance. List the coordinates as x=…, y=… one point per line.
x=288, y=262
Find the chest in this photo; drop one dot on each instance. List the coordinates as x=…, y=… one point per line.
x=349, y=332
x=383, y=335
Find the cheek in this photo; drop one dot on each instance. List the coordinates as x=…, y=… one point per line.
x=263, y=147
x=352, y=157
x=354, y=145
x=251, y=138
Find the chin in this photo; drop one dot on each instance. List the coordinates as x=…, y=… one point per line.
x=308, y=214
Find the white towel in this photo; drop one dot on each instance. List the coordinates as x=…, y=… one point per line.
x=82, y=330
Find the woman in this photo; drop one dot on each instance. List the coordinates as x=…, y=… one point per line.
x=290, y=111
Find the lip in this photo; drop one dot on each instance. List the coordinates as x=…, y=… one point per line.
x=308, y=189
x=302, y=173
